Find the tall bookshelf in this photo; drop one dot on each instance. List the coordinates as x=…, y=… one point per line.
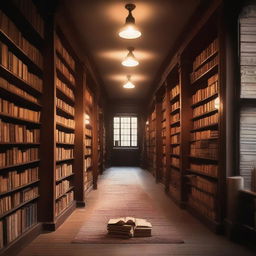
x=21, y=87
x=206, y=166
x=88, y=141
x=175, y=175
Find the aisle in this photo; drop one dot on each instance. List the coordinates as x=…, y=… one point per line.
x=198, y=239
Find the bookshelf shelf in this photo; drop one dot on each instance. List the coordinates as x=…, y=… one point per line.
x=64, y=79
x=175, y=98
x=202, y=174
x=65, y=97
x=19, y=188
x=18, y=119
x=19, y=98
x=206, y=74
x=175, y=123
x=65, y=144
x=64, y=127
x=211, y=97
x=175, y=111
x=64, y=113
x=65, y=63
x=205, y=114
x=20, y=53
x=65, y=160
x=63, y=194
x=65, y=177
x=20, y=164
x=18, y=206
x=22, y=84
x=24, y=144
x=206, y=127
x=203, y=158
x=205, y=60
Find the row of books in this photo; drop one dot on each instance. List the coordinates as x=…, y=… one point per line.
x=164, y=148
x=203, y=184
x=88, y=142
x=64, y=53
x=19, y=221
x=175, y=105
x=11, y=201
x=207, y=92
x=153, y=116
x=205, y=198
x=88, y=151
x=13, y=110
x=15, y=90
x=63, y=137
x=64, y=70
x=175, y=161
x=11, y=62
x=11, y=30
x=208, y=169
x=63, y=170
x=175, y=91
x=163, y=132
x=175, y=129
x=175, y=150
x=64, y=106
x=203, y=135
x=209, y=120
x=207, y=107
x=64, y=153
x=175, y=118
x=63, y=202
x=15, y=133
x=15, y=179
x=64, y=88
x=87, y=162
x=204, y=69
x=62, y=187
x=18, y=156
x=88, y=132
x=163, y=160
x=175, y=139
x=203, y=209
x=65, y=121
x=207, y=149
x=29, y=10
x=205, y=54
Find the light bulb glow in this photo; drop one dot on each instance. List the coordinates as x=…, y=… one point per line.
x=129, y=85
x=130, y=31
x=217, y=103
x=130, y=60
x=87, y=121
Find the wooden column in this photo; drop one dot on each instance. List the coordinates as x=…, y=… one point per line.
x=79, y=150
x=48, y=134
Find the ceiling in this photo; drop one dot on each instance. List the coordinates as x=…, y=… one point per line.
x=98, y=22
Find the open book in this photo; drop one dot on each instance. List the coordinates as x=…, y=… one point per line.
x=127, y=227
x=122, y=221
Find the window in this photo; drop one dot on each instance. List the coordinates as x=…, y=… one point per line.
x=125, y=131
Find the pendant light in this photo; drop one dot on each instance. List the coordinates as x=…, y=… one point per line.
x=129, y=31
x=129, y=84
x=130, y=60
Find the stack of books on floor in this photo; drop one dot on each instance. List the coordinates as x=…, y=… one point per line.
x=127, y=227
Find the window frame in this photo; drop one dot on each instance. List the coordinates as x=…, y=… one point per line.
x=131, y=135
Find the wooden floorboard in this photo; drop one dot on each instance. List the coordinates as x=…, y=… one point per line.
x=198, y=239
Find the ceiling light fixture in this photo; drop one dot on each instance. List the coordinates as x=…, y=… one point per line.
x=130, y=60
x=129, y=84
x=129, y=31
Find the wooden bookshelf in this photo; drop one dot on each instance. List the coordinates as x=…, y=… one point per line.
x=21, y=78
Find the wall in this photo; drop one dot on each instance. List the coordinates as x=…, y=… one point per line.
x=123, y=157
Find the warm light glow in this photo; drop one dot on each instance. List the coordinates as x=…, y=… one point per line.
x=87, y=117
x=129, y=31
x=217, y=103
x=130, y=60
x=87, y=121
x=129, y=84
x=147, y=123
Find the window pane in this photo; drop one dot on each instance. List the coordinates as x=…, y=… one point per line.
x=134, y=143
x=116, y=126
x=116, y=120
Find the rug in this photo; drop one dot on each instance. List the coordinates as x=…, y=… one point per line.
x=120, y=200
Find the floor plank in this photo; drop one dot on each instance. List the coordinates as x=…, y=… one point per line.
x=198, y=239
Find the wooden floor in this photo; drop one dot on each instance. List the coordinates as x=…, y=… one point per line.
x=198, y=239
